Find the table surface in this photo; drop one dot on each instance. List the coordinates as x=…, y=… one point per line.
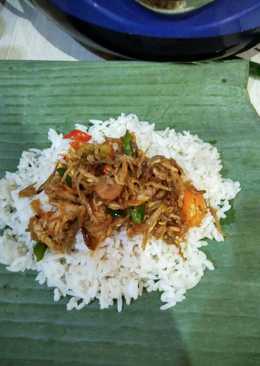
x=28, y=34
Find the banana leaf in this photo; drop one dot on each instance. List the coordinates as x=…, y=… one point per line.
x=219, y=322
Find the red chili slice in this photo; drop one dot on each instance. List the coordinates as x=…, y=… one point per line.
x=78, y=137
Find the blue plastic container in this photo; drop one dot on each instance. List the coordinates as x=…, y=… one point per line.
x=219, y=29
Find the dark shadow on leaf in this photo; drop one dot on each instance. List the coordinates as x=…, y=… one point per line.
x=141, y=334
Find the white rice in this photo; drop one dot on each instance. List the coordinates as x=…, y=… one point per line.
x=119, y=269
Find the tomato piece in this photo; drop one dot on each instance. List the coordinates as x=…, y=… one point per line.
x=194, y=208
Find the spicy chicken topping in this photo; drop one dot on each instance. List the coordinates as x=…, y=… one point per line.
x=99, y=188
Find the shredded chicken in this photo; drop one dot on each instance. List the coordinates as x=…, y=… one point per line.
x=98, y=188
x=28, y=191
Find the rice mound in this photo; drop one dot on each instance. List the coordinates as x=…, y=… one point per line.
x=119, y=269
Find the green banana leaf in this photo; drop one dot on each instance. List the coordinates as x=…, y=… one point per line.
x=219, y=322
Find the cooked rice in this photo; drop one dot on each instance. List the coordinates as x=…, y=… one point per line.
x=119, y=269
